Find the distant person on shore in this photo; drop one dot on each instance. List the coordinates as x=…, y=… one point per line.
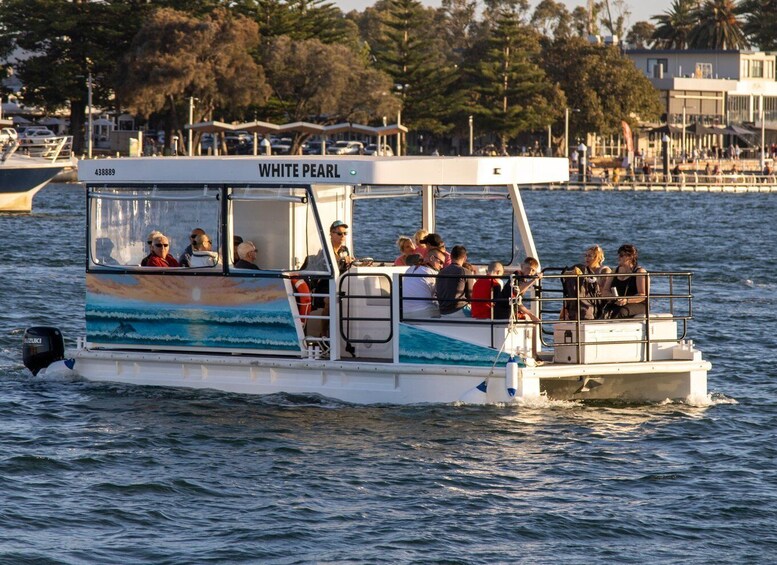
x=246, y=253
x=616, y=176
x=160, y=256
x=630, y=289
x=676, y=173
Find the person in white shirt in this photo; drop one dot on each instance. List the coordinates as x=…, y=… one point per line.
x=419, y=288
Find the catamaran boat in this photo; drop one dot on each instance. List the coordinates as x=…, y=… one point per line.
x=251, y=330
x=27, y=165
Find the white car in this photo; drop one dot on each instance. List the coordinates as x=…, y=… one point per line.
x=372, y=149
x=346, y=148
x=7, y=135
x=41, y=133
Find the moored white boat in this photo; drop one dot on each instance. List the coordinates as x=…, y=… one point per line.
x=244, y=330
x=26, y=166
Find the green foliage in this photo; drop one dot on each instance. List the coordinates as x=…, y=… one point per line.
x=674, y=26
x=717, y=27
x=641, y=35
x=761, y=23
x=175, y=56
x=602, y=84
x=510, y=91
x=552, y=19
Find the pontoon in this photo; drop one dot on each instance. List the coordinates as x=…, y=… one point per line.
x=247, y=331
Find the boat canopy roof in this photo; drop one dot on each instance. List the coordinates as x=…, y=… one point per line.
x=332, y=170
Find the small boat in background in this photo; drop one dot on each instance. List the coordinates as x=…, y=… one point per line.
x=27, y=165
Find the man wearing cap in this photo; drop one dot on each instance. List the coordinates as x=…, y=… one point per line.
x=338, y=231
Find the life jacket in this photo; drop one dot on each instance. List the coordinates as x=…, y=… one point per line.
x=303, y=298
x=582, y=288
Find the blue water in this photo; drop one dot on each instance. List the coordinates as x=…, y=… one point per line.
x=101, y=473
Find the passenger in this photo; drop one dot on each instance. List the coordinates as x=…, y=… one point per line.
x=337, y=234
x=631, y=290
x=483, y=291
x=524, y=278
x=202, y=254
x=104, y=247
x=236, y=240
x=594, y=257
x=187, y=253
x=150, y=250
x=246, y=253
x=414, y=259
x=406, y=248
x=454, y=289
x=434, y=241
x=160, y=257
x=418, y=289
x=420, y=248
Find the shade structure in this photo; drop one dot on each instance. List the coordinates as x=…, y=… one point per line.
x=258, y=127
x=211, y=127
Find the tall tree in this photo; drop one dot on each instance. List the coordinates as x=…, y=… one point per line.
x=673, y=27
x=717, y=27
x=760, y=23
x=616, y=14
x=641, y=35
x=603, y=84
x=410, y=50
x=313, y=81
x=66, y=43
x=175, y=56
x=511, y=93
x=552, y=19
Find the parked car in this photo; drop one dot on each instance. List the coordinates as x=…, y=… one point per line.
x=38, y=133
x=372, y=149
x=346, y=148
x=7, y=135
x=281, y=146
x=313, y=148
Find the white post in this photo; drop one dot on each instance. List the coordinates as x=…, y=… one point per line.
x=550, y=148
x=763, y=134
x=89, y=106
x=471, y=137
x=566, y=133
x=191, y=121
x=399, y=134
x=683, y=148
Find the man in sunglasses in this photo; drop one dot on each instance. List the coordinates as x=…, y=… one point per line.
x=150, y=243
x=160, y=254
x=186, y=256
x=338, y=231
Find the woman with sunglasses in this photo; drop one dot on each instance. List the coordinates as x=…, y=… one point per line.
x=630, y=285
x=160, y=254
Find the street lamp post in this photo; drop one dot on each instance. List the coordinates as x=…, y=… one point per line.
x=665, y=154
x=471, y=137
x=191, y=121
x=566, y=133
x=763, y=134
x=89, y=118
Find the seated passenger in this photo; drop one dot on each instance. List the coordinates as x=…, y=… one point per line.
x=160, y=257
x=418, y=289
x=483, y=292
x=104, y=247
x=202, y=254
x=337, y=234
x=236, y=240
x=187, y=253
x=150, y=243
x=246, y=253
x=414, y=259
x=420, y=248
x=453, y=287
x=406, y=248
x=521, y=281
x=434, y=241
x=630, y=290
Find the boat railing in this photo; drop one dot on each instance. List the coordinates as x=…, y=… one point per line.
x=53, y=149
x=668, y=297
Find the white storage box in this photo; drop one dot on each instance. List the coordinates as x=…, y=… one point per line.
x=600, y=341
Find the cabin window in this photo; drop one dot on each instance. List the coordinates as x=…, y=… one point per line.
x=283, y=225
x=398, y=209
x=121, y=219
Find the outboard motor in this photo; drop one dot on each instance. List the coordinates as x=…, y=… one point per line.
x=41, y=347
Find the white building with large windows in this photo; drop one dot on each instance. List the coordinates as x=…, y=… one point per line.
x=723, y=88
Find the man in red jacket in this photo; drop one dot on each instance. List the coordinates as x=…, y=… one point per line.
x=160, y=253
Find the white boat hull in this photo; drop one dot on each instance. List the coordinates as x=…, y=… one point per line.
x=396, y=383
